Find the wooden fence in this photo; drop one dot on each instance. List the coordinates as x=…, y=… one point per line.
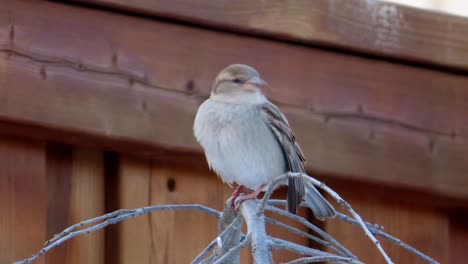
x=98, y=97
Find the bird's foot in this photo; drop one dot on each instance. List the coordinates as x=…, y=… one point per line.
x=240, y=189
x=252, y=195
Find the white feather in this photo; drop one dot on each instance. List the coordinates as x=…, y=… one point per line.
x=238, y=144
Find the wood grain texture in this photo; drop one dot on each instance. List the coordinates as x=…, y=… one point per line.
x=426, y=229
x=134, y=191
x=23, y=198
x=361, y=118
x=76, y=193
x=176, y=236
x=87, y=201
x=172, y=236
x=188, y=232
x=59, y=185
x=375, y=27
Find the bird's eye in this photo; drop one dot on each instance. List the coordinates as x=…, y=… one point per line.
x=237, y=80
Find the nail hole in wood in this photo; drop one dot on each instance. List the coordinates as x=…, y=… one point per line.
x=453, y=134
x=190, y=86
x=431, y=144
x=171, y=185
x=12, y=32
x=359, y=109
x=114, y=59
x=131, y=81
x=43, y=73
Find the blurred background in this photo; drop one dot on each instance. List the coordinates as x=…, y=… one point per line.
x=98, y=97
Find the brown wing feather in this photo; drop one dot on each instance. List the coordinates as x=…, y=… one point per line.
x=292, y=152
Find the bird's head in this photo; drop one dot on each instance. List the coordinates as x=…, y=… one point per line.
x=239, y=83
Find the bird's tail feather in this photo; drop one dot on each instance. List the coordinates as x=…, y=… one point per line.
x=295, y=194
x=320, y=207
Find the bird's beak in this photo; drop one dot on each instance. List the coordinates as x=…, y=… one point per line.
x=256, y=82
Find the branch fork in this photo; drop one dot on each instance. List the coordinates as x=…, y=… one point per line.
x=225, y=248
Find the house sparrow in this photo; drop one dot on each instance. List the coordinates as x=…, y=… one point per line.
x=248, y=141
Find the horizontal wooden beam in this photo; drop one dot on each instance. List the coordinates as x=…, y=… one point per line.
x=100, y=77
x=372, y=27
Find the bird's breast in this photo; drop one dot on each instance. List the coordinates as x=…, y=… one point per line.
x=238, y=143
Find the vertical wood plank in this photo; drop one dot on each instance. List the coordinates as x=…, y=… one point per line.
x=180, y=235
x=59, y=182
x=134, y=190
x=425, y=229
x=112, y=203
x=22, y=198
x=177, y=236
x=76, y=193
x=167, y=237
x=87, y=201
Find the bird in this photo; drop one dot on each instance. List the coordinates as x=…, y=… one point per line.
x=247, y=140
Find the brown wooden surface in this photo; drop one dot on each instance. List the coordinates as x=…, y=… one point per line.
x=23, y=198
x=458, y=238
x=375, y=27
x=369, y=120
x=87, y=201
x=424, y=228
x=135, y=234
x=59, y=178
x=176, y=236
x=75, y=193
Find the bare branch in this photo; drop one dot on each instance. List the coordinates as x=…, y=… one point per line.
x=231, y=239
x=299, y=232
x=235, y=249
x=256, y=226
x=342, y=202
x=379, y=232
x=204, y=253
x=337, y=247
x=228, y=233
x=278, y=244
x=110, y=219
x=273, y=185
x=323, y=259
x=226, y=247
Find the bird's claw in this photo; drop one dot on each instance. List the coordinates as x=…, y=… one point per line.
x=240, y=189
x=238, y=202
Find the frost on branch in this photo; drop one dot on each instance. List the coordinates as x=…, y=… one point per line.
x=225, y=248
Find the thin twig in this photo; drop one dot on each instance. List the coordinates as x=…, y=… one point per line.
x=395, y=240
x=87, y=222
x=230, y=229
x=323, y=259
x=302, y=233
x=204, y=253
x=230, y=240
x=342, y=202
x=235, y=249
x=273, y=185
x=280, y=244
x=109, y=219
x=344, y=251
